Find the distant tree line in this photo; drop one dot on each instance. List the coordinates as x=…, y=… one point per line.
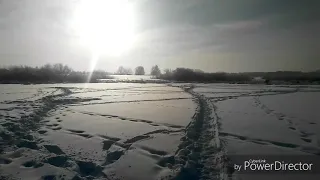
x=56, y=73
x=194, y=75
x=59, y=73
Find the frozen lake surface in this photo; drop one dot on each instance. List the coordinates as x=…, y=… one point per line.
x=132, y=131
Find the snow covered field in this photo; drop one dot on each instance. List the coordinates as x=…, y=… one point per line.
x=131, y=77
x=150, y=131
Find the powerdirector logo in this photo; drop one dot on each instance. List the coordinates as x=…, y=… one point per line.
x=306, y=164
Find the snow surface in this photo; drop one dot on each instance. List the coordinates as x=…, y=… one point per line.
x=132, y=131
x=93, y=131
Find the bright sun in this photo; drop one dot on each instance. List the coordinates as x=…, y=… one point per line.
x=105, y=26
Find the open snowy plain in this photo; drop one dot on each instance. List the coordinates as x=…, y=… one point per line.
x=123, y=131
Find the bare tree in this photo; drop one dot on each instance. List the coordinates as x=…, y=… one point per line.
x=167, y=71
x=155, y=71
x=129, y=71
x=121, y=70
x=124, y=71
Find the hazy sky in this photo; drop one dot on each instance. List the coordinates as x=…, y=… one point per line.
x=212, y=35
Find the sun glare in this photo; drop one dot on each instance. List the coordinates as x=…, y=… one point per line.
x=105, y=26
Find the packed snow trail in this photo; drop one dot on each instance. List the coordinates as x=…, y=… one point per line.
x=200, y=155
